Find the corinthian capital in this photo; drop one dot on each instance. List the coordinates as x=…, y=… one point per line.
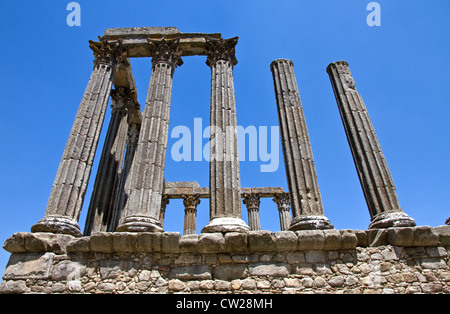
x=124, y=98
x=167, y=51
x=282, y=200
x=107, y=52
x=252, y=200
x=221, y=49
x=191, y=201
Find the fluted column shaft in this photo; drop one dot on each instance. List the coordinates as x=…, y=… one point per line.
x=100, y=213
x=283, y=203
x=190, y=203
x=224, y=171
x=147, y=175
x=69, y=188
x=306, y=201
x=252, y=201
x=373, y=172
x=124, y=190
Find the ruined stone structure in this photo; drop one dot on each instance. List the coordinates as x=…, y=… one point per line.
x=124, y=248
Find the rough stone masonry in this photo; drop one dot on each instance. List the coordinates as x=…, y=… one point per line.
x=395, y=261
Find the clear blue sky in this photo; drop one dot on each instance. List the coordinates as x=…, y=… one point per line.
x=401, y=69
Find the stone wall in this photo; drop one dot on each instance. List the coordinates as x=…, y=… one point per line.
x=395, y=260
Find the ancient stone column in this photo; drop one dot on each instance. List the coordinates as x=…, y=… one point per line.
x=134, y=119
x=373, y=172
x=67, y=194
x=306, y=201
x=224, y=171
x=252, y=202
x=164, y=202
x=147, y=175
x=107, y=181
x=190, y=213
x=284, y=209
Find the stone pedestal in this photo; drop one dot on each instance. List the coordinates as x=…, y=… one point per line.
x=373, y=172
x=284, y=209
x=306, y=201
x=67, y=194
x=252, y=202
x=142, y=211
x=224, y=172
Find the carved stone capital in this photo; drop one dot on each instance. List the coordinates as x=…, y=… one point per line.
x=124, y=99
x=252, y=200
x=107, y=52
x=221, y=49
x=166, y=51
x=282, y=200
x=191, y=201
x=164, y=202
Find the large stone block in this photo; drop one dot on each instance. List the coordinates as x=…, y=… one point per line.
x=101, y=242
x=22, y=242
x=170, y=242
x=211, y=243
x=286, y=241
x=425, y=236
x=28, y=266
x=230, y=271
x=268, y=269
x=310, y=240
x=236, y=242
x=261, y=241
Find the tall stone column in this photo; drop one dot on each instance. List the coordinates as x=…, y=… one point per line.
x=224, y=172
x=373, y=172
x=134, y=119
x=67, y=194
x=147, y=175
x=252, y=202
x=306, y=201
x=190, y=203
x=100, y=213
x=284, y=210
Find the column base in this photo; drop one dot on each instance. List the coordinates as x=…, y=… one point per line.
x=226, y=224
x=310, y=223
x=57, y=224
x=392, y=219
x=140, y=224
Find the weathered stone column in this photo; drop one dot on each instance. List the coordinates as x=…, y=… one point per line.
x=252, y=202
x=284, y=209
x=306, y=201
x=224, y=171
x=147, y=175
x=67, y=194
x=107, y=181
x=190, y=213
x=164, y=202
x=373, y=172
x=134, y=119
